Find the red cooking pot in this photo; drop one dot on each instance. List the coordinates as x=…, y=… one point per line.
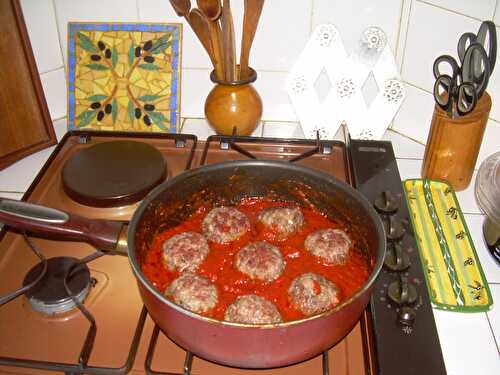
x=171, y=203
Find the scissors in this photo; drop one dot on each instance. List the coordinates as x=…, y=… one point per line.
x=486, y=36
x=456, y=95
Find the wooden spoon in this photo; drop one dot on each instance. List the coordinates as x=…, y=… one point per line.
x=212, y=10
x=199, y=24
x=253, y=9
x=181, y=7
x=228, y=42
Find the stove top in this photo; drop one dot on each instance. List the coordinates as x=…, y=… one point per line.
x=110, y=331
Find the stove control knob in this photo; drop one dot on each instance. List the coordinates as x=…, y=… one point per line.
x=401, y=292
x=386, y=203
x=396, y=259
x=394, y=229
x=406, y=316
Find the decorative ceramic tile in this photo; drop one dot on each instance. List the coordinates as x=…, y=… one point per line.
x=124, y=77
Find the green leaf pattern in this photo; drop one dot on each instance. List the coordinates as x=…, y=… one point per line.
x=131, y=55
x=130, y=111
x=85, y=43
x=114, y=110
x=97, y=67
x=96, y=98
x=85, y=118
x=114, y=57
x=148, y=66
x=148, y=98
x=158, y=119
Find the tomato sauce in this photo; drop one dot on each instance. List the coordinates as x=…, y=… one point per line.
x=231, y=283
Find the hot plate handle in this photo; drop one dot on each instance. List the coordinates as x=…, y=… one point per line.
x=60, y=225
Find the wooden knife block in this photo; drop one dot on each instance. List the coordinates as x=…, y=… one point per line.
x=453, y=144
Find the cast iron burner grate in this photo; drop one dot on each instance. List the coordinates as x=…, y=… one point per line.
x=70, y=280
x=48, y=295
x=188, y=361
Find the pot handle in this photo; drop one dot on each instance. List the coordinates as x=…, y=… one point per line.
x=102, y=234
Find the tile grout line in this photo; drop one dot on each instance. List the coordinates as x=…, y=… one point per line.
x=492, y=331
x=406, y=35
x=61, y=49
x=495, y=10
x=51, y=70
x=402, y=32
x=449, y=10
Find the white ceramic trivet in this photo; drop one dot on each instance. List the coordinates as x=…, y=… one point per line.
x=347, y=74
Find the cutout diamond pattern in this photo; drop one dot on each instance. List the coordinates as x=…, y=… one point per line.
x=328, y=86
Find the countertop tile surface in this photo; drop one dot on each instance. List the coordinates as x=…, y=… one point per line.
x=494, y=314
x=467, y=343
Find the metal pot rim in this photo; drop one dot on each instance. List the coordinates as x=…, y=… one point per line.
x=242, y=163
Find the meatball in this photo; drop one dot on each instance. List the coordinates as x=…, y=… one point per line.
x=193, y=292
x=283, y=221
x=330, y=245
x=184, y=251
x=312, y=294
x=225, y=224
x=252, y=309
x=260, y=260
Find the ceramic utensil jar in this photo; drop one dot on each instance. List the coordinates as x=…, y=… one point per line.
x=453, y=144
x=234, y=107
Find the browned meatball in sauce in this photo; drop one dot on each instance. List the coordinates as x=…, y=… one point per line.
x=282, y=221
x=225, y=224
x=184, y=251
x=252, y=309
x=312, y=294
x=330, y=245
x=260, y=260
x=193, y=292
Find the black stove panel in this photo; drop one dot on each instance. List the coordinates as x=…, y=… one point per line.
x=405, y=335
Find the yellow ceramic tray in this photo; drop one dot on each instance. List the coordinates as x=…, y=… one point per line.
x=453, y=273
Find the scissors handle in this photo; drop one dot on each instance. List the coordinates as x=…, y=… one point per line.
x=488, y=31
x=476, y=68
x=466, y=98
x=463, y=95
x=465, y=41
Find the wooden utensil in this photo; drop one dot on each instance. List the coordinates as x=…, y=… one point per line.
x=212, y=10
x=199, y=24
x=228, y=42
x=253, y=9
x=181, y=7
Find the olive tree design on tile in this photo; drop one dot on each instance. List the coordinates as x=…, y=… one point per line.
x=123, y=80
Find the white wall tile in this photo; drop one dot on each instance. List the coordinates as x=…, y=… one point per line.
x=467, y=343
x=195, y=87
x=193, y=54
x=482, y=9
x=93, y=11
x=496, y=19
x=409, y=168
x=494, y=90
x=283, y=130
x=491, y=141
x=282, y=33
x=203, y=130
x=352, y=17
x=42, y=29
x=494, y=314
x=404, y=147
x=18, y=176
x=10, y=195
x=467, y=198
x=275, y=100
x=54, y=87
x=60, y=127
x=415, y=115
x=489, y=265
x=432, y=32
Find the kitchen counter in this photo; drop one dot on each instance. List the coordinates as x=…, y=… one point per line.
x=470, y=342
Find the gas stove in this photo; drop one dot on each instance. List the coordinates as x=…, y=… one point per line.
x=65, y=307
